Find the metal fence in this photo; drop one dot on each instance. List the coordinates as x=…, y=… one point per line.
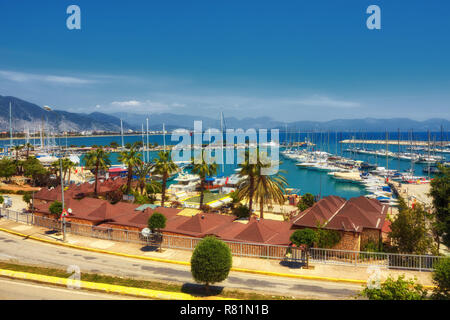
x=243, y=249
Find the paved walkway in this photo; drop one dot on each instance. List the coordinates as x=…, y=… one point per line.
x=257, y=264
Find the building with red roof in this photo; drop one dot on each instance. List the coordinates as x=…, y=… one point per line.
x=359, y=220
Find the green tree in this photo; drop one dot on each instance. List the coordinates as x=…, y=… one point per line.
x=306, y=201
x=327, y=238
x=114, y=145
x=164, y=166
x=211, y=261
x=269, y=188
x=440, y=193
x=304, y=237
x=98, y=160
x=7, y=168
x=399, y=289
x=17, y=149
x=56, y=208
x=441, y=278
x=33, y=168
x=203, y=169
x=29, y=147
x=242, y=211
x=131, y=159
x=2, y=199
x=247, y=173
x=157, y=221
x=143, y=170
x=409, y=231
x=27, y=199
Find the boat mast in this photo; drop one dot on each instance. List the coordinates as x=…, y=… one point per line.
x=428, y=160
x=143, y=143
x=10, y=126
x=164, y=136
x=121, y=132
x=148, y=155
x=398, y=150
x=387, y=150
x=221, y=140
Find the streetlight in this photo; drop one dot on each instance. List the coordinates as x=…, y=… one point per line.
x=63, y=213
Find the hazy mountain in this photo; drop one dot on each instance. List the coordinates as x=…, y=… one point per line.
x=29, y=115
x=366, y=124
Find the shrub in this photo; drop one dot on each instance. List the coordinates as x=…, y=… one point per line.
x=372, y=246
x=441, y=278
x=304, y=236
x=157, y=221
x=242, y=211
x=327, y=238
x=56, y=208
x=211, y=261
x=306, y=201
x=27, y=198
x=2, y=199
x=399, y=289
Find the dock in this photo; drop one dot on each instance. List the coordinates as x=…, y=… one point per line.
x=395, y=142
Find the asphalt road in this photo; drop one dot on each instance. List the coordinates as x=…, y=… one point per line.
x=21, y=290
x=28, y=251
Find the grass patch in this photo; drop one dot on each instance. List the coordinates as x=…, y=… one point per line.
x=193, y=289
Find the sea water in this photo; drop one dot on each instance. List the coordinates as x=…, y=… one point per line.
x=312, y=181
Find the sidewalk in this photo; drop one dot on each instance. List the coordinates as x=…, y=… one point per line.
x=252, y=265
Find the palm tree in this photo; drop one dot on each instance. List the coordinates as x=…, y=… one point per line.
x=204, y=169
x=28, y=146
x=17, y=149
x=248, y=172
x=264, y=189
x=131, y=159
x=97, y=159
x=67, y=165
x=142, y=169
x=164, y=166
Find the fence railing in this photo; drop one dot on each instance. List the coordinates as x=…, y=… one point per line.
x=243, y=249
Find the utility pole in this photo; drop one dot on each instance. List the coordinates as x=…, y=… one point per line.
x=63, y=221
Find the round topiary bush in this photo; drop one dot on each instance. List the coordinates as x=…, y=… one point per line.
x=157, y=221
x=211, y=261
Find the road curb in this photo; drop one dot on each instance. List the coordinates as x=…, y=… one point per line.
x=103, y=287
x=268, y=273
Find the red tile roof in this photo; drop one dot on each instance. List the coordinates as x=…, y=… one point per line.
x=139, y=219
x=336, y=213
x=258, y=231
x=319, y=213
x=200, y=225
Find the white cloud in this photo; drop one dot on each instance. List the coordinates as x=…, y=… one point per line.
x=47, y=78
x=130, y=103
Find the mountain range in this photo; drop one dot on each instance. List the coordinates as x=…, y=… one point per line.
x=29, y=115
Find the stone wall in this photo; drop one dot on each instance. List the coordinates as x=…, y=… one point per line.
x=349, y=241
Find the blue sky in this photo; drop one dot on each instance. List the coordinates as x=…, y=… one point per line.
x=290, y=60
